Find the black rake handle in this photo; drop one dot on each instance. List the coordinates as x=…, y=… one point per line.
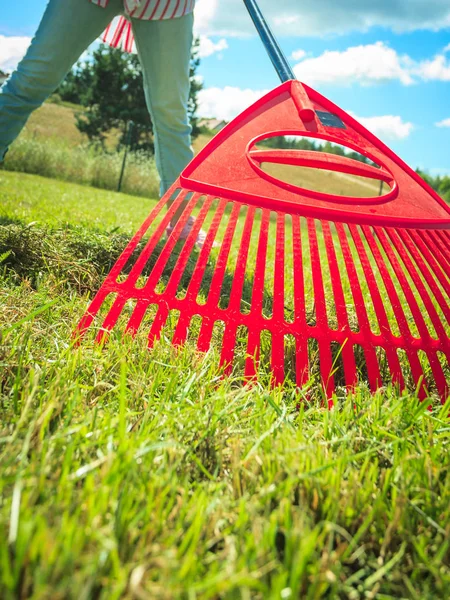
x=274, y=51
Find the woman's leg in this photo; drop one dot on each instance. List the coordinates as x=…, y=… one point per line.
x=66, y=30
x=164, y=49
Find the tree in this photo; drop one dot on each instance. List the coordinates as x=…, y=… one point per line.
x=76, y=85
x=110, y=85
x=440, y=183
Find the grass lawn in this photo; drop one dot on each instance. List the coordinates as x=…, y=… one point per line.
x=134, y=474
x=50, y=202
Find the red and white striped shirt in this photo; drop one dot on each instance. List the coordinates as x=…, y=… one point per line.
x=120, y=33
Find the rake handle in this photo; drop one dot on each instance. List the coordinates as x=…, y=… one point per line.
x=277, y=56
x=274, y=51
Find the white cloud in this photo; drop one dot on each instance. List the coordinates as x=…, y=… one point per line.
x=208, y=47
x=437, y=69
x=298, y=55
x=312, y=18
x=12, y=49
x=447, y=48
x=226, y=103
x=387, y=127
x=370, y=64
x=373, y=63
x=444, y=123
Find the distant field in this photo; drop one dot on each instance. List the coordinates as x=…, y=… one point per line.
x=55, y=121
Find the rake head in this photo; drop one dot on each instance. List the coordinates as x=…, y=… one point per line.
x=311, y=283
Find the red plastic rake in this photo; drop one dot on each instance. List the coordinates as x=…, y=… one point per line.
x=346, y=287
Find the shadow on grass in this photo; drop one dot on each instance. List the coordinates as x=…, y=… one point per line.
x=74, y=257
x=6, y=220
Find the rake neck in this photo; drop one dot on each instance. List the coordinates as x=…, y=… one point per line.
x=274, y=51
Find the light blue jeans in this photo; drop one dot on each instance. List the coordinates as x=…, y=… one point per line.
x=66, y=30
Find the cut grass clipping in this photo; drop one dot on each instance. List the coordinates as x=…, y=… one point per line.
x=135, y=474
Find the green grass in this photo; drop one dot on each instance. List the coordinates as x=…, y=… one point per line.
x=135, y=474
x=51, y=202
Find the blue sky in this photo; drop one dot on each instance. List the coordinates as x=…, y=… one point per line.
x=388, y=63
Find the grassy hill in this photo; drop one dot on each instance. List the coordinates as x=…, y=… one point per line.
x=136, y=474
x=55, y=121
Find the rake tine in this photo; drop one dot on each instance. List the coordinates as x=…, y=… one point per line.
x=158, y=324
x=256, y=309
x=385, y=330
x=131, y=247
x=415, y=242
x=140, y=263
x=221, y=265
x=439, y=241
x=137, y=316
x=407, y=290
x=202, y=262
x=253, y=353
x=278, y=333
x=367, y=337
x=216, y=286
x=228, y=348
x=183, y=258
x=432, y=357
x=234, y=305
x=89, y=316
x=326, y=359
x=394, y=299
x=302, y=361
x=181, y=331
x=169, y=246
x=341, y=309
x=182, y=327
x=433, y=286
x=412, y=271
x=444, y=261
x=205, y=335
x=260, y=267
x=415, y=311
x=111, y=319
